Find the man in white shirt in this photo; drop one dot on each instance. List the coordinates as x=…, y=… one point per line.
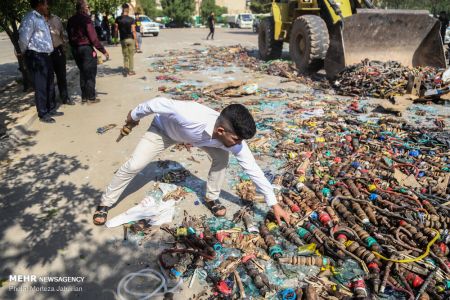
x=36, y=45
x=198, y=125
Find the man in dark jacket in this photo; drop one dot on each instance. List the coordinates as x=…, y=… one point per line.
x=106, y=28
x=83, y=39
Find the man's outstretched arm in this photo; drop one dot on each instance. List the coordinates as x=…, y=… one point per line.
x=248, y=163
x=158, y=105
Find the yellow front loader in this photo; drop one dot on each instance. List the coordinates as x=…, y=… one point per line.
x=333, y=34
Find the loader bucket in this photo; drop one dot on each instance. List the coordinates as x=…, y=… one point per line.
x=411, y=37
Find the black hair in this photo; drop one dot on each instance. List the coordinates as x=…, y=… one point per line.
x=80, y=5
x=125, y=6
x=35, y=3
x=240, y=119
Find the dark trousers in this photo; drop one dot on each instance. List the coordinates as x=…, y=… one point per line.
x=59, y=65
x=86, y=59
x=211, y=33
x=41, y=70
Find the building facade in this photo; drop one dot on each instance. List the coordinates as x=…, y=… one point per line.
x=234, y=6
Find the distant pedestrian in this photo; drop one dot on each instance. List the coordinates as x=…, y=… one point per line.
x=58, y=56
x=211, y=23
x=138, y=32
x=127, y=29
x=83, y=39
x=114, y=33
x=98, y=27
x=36, y=45
x=106, y=28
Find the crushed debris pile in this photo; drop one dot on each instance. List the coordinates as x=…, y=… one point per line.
x=369, y=202
x=368, y=195
x=386, y=79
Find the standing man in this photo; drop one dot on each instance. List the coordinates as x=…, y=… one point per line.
x=36, y=45
x=58, y=56
x=444, y=23
x=98, y=26
x=211, y=23
x=127, y=29
x=106, y=28
x=83, y=39
x=198, y=125
x=138, y=32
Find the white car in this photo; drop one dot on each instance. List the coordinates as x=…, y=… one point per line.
x=148, y=26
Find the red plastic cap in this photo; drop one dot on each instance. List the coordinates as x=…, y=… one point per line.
x=247, y=258
x=415, y=280
x=403, y=223
x=295, y=208
x=223, y=288
x=359, y=284
x=221, y=236
x=324, y=218
x=342, y=236
x=374, y=266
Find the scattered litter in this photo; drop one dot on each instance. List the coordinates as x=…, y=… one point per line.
x=102, y=130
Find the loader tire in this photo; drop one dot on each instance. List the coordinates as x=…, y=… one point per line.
x=269, y=48
x=308, y=43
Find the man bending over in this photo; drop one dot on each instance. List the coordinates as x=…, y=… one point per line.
x=192, y=123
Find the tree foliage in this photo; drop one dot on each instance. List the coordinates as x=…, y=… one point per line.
x=260, y=6
x=102, y=6
x=209, y=6
x=148, y=8
x=179, y=10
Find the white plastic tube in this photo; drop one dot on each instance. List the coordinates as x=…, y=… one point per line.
x=149, y=274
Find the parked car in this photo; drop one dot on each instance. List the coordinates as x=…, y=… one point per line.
x=148, y=26
x=176, y=24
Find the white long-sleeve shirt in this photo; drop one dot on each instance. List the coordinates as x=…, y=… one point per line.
x=193, y=123
x=34, y=34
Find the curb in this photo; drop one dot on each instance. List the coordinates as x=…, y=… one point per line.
x=16, y=134
x=19, y=131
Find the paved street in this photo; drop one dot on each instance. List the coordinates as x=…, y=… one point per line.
x=53, y=184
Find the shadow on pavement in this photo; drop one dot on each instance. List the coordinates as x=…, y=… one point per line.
x=8, y=72
x=242, y=32
x=51, y=213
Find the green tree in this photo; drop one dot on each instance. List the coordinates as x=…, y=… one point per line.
x=179, y=10
x=149, y=8
x=209, y=6
x=260, y=6
x=103, y=6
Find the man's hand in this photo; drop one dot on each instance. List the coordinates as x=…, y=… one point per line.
x=129, y=121
x=107, y=55
x=281, y=214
